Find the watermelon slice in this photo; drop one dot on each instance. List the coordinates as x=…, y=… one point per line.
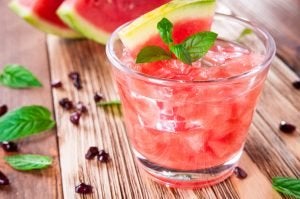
x=97, y=19
x=42, y=15
x=188, y=17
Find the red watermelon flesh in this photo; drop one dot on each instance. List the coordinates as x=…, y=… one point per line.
x=97, y=19
x=45, y=10
x=42, y=14
x=113, y=12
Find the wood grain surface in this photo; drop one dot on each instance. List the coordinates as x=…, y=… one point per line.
x=268, y=152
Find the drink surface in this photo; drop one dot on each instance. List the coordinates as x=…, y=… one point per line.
x=225, y=59
x=191, y=126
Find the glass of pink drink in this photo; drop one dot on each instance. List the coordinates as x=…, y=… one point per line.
x=188, y=124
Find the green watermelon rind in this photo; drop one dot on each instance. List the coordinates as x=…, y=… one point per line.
x=69, y=16
x=39, y=23
x=145, y=26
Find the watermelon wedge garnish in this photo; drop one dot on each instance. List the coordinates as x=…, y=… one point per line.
x=188, y=17
x=42, y=15
x=97, y=19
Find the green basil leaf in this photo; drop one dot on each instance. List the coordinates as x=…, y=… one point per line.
x=110, y=103
x=245, y=32
x=165, y=28
x=181, y=53
x=288, y=186
x=17, y=76
x=26, y=162
x=198, y=44
x=152, y=54
x=24, y=122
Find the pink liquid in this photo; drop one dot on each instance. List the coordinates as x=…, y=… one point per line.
x=191, y=126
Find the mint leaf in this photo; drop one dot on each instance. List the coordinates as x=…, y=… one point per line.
x=181, y=53
x=28, y=162
x=165, y=28
x=288, y=186
x=152, y=54
x=17, y=76
x=246, y=31
x=24, y=122
x=110, y=103
x=198, y=44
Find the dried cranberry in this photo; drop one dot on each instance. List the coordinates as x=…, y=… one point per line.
x=75, y=117
x=3, y=179
x=240, y=173
x=286, y=127
x=80, y=107
x=92, y=152
x=56, y=84
x=83, y=188
x=76, y=79
x=66, y=103
x=98, y=97
x=77, y=84
x=3, y=110
x=103, y=156
x=74, y=75
x=9, y=146
x=296, y=84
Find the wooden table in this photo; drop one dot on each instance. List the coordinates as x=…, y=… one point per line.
x=268, y=152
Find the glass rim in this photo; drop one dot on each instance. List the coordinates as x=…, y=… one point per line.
x=258, y=30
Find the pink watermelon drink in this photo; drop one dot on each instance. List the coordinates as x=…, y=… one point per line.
x=187, y=124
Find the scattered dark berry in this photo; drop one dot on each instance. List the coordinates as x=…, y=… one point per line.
x=74, y=75
x=240, y=173
x=56, y=84
x=77, y=83
x=103, y=156
x=76, y=79
x=80, y=107
x=75, y=117
x=84, y=189
x=98, y=97
x=92, y=152
x=9, y=146
x=66, y=103
x=286, y=127
x=3, y=179
x=3, y=110
x=296, y=84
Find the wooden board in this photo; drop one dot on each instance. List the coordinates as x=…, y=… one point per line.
x=268, y=152
x=22, y=44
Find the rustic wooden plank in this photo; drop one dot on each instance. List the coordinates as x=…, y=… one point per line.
x=281, y=17
x=22, y=44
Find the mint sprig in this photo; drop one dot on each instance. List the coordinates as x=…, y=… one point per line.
x=152, y=54
x=24, y=122
x=17, y=76
x=26, y=162
x=165, y=28
x=287, y=186
x=190, y=50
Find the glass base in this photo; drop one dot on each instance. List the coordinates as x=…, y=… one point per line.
x=188, y=179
